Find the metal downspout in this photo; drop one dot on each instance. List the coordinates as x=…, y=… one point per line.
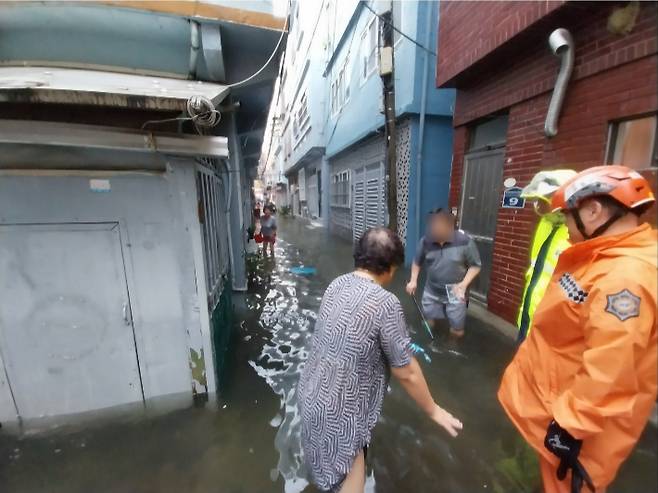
x=421, y=126
x=561, y=44
x=194, y=48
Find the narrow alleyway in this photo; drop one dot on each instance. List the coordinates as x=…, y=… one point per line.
x=249, y=442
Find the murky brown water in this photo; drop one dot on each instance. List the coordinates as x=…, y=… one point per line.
x=249, y=442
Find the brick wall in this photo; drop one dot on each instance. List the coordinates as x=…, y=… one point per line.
x=471, y=30
x=531, y=69
x=615, y=77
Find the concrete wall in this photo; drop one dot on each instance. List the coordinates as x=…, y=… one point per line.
x=162, y=256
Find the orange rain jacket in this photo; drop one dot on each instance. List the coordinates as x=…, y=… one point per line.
x=590, y=359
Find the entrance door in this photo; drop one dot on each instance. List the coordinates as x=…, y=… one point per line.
x=369, y=199
x=483, y=175
x=66, y=330
x=312, y=195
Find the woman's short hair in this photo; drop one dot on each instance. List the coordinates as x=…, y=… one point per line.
x=378, y=250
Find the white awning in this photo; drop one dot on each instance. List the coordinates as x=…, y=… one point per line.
x=93, y=87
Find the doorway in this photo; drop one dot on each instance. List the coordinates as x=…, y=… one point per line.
x=483, y=176
x=67, y=334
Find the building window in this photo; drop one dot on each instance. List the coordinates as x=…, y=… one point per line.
x=301, y=120
x=340, y=89
x=369, y=42
x=340, y=189
x=633, y=142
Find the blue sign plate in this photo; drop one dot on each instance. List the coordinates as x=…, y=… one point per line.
x=512, y=198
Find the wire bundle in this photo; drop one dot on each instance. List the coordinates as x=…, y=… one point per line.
x=202, y=112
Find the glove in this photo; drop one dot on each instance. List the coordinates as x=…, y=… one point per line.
x=563, y=445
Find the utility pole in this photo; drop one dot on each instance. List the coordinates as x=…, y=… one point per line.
x=386, y=72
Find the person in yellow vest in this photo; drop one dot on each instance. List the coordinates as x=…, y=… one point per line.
x=551, y=238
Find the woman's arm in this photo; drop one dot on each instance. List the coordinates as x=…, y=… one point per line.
x=413, y=381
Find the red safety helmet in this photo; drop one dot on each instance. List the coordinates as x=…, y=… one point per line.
x=626, y=186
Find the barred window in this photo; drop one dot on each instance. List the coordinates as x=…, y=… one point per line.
x=340, y=189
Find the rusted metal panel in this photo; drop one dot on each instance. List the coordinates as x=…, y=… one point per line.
x=93, y=87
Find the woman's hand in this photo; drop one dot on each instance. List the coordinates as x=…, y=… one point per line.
x=446, y=420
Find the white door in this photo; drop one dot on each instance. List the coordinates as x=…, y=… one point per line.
x=66, y=331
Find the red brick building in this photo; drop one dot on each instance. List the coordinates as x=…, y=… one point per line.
x=496, y=55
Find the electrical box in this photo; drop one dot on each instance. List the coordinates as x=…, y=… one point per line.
x=386, y=60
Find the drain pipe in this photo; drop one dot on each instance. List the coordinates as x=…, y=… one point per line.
x=194, y=48
x=421, y=125
x=561, y=44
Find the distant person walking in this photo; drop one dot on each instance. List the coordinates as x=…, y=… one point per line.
x=360, y=335
x=257, y=211
x=452, y=261
x=268, y=229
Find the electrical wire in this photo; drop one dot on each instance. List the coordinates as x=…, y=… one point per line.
x=404, y=35
x=210, y=117
x=201, y=111
x=276, y=49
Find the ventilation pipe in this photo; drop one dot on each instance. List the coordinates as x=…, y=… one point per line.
x=561, y=44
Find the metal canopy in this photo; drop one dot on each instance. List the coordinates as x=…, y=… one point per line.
x=73, y=86
x=109, y=138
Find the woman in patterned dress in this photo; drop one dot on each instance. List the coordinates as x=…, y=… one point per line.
x=360, y=339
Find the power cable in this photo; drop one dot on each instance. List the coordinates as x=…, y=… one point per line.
x=210, y=117
x=276, y=48
x=404, y=35
x=201, y=111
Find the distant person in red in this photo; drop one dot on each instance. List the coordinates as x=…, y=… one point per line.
x=257, y=211
x=268, y=229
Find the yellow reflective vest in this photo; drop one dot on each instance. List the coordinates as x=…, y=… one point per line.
x=550, y=240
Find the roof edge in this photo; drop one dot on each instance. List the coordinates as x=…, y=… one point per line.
x=202, y=10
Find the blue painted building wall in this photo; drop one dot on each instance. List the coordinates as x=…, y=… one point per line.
x=338, y=43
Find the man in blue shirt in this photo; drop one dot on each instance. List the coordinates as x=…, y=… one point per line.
x=452, y=262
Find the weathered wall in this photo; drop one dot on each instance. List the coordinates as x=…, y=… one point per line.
x=161, y=245
x=615, y=77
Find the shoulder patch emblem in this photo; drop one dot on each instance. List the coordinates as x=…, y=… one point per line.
x=623, y=305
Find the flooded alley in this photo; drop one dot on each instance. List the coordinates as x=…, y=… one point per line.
x=249, y=441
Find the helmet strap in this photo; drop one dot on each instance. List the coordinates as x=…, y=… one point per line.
x=601, y=229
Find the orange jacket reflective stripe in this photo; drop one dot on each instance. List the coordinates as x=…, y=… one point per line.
x=590, y=359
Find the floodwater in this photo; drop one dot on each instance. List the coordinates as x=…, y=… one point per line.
x=249, y=440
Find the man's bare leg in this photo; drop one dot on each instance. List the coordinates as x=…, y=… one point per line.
x=356, y=478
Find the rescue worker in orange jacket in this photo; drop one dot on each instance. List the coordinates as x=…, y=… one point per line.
x=582, y=386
